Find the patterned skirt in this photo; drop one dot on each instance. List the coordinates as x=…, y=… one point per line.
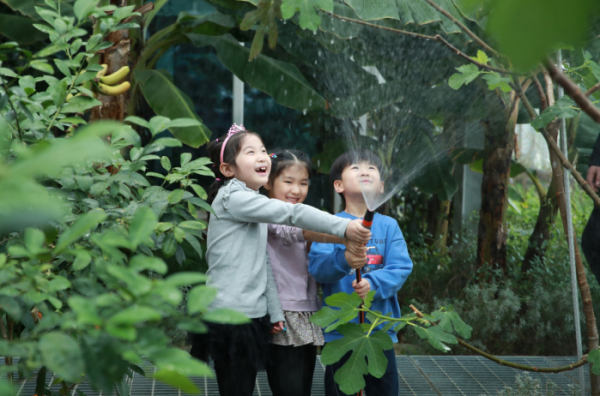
x=300, y=330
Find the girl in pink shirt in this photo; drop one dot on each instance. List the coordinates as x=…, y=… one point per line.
x=294, y=351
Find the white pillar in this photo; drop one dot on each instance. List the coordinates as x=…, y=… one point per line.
x=567, y=183
x=238, y=100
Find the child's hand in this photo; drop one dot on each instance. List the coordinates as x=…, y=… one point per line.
x=361, y=288
x=357, y=232
x=277, y=327
x=355, y=248
x=356, y=261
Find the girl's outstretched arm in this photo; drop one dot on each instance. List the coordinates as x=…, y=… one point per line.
x=353, y=247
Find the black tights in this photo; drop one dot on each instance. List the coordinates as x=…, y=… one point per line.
x=291, y=369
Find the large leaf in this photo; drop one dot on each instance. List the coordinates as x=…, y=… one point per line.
x=528, y=30
x=62, y=355
x=79, y=228
x=141, y=226
x=367, y=356
x=169, y=101
x=406, y=11
x=345, y=310
x=280, y=80
x=20, y=29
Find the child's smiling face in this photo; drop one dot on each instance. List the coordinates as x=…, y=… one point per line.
x=359, y=178
x=291, y=185
x=252, y=164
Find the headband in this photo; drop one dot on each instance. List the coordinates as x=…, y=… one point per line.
x=232, y=131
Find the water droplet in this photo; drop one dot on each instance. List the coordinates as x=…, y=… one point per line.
x=331, y=41
x=320, y=53
x=285, y=92
x=310, y=102
x=290, y=45
x=304, y=112
x=281, y=78
x=337, y=99
x=315, y=61
x=315, y=32
x=350, y=37
x=284, y=21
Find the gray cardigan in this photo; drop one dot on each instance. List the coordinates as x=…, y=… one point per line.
x=238, y=263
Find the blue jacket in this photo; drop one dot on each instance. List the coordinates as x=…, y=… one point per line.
x=391, y=266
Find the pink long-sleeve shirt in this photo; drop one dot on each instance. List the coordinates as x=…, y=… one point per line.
x=287, y=250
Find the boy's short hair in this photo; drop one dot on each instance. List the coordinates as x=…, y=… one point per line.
x=352, y=157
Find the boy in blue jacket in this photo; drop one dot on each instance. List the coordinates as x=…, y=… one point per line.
x=388, y=262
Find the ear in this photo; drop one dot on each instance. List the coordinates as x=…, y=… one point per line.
x=381, y=189
x=267, y=186
x=338, y=186
x=226, y=170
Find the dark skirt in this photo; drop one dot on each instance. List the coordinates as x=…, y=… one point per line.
x=234, y=343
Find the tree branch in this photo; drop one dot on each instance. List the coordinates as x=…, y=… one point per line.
x=389, y=29
x=467, y=57
x=592, y=90
x=506, y=363
x=464, y=28
x=13, y=108
x=540, y=92
x=552, y=143
x=437, y=38
x=573, y=91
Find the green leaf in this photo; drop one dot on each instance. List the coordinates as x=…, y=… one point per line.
x=42, y=66
x=87, y=313
x=495, y=80
x=185, y=158
x=138, y=121
x=11, y=307
x=34, y=239
x=225, y=316
x=450, y=322
x=194, y=225
x=133, y=315
x=436, y=336
x=594, y=360
x=80, y=104
x=59, y=92
x=467, y=74
x=527, y=31
x=82, y=260
x=175, y=196
x=482, y=57
x=309, y=19
x=330, y=318
x=169, y=245
x=565, y=107
x=142, y=225
x=185, y=279
x=20, y=29
x=166, y=163
x=140, y=263
x=176, y=380
x=167, y=100
x=367, y=356
x=79, y=228
x=200, y=192
x=62, y=355
x=82, y=8
x=199, y=298
x=58, y=283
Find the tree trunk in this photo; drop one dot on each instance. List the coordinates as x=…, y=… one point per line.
x=540, y=236
x=499, y=145
x=117, y=56
x=437, y=222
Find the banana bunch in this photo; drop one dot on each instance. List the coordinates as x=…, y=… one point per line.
x=108, y=85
